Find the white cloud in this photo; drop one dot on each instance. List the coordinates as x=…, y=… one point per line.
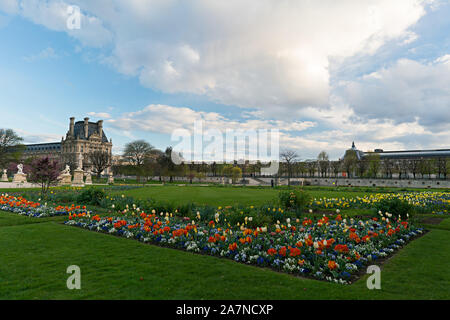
x=9, y=6
x=102, y=115
x=47, y=53
x=165, y=119
x=270, y=55
x=31, y=137
x=405, y=92
x=53, y=14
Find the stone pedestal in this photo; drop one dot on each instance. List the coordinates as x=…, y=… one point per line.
x=78, y=178
x=20, y=177
x=4, y=177
x=88, y=179
x=65, y=180
x=110, y=179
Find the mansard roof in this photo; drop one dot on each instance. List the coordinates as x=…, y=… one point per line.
x=92, y=129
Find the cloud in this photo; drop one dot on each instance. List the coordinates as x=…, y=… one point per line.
x=165, y=119
x=54, y=14
x=47, y=53
x=103, y=115
x=9, y=6
x=405, y=92
x=32, y=138
x=339, y=127
x=270, y=55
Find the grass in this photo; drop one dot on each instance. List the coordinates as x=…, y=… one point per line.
x=222, y=196
x=35, y=254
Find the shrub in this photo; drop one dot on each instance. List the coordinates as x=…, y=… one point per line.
x=395, y=206
x=92, y=196
x=295, y=200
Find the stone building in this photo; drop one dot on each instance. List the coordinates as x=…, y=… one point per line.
x=82, y=138
x=404, y=154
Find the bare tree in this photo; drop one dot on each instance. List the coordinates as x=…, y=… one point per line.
x=388, y=166
x=289, y=157
x=137, y=151
x=311, y=167
x=100, y=160
x=441, y=166
x=324, y=163
x=336, y=167
x=10, y=147
x=362, y=165
x=414, y=166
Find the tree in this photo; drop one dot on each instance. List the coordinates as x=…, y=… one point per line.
x=311, y=167
x=324, y=163
x=426, y=167
x=45, y=172
x=441, y=166
x=166, y=163
x=100, y=160
x=362, y=165
x=289, y=157
x=137, y=151
x=388, y=166
x=373, y=160
x=226, y=170
x=236, y=174
x=11, y=147
x=336, y=167
x=350, y=159
x=414, y=167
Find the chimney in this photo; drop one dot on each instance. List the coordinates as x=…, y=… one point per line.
x=86, y=127
x=100, y=128
x=71, y=127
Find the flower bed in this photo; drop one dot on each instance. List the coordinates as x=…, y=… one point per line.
x=333, y=250
x=424, y=202
x=33, y=209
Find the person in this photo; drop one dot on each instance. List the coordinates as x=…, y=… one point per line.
x=271, y=182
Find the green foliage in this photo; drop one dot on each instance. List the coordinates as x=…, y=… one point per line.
x=296, y=200
x=92, y=196
x=395, y=206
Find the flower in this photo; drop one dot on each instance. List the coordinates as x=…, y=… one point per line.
x=332, y=265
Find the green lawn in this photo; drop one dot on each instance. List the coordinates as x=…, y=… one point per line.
x=36, y=252
x=222, y=196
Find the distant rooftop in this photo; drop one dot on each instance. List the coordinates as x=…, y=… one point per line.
x=405, y=154
x=92, y=128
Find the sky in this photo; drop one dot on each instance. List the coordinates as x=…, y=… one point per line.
x=325, y=73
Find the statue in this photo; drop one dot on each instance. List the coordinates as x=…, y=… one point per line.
x=4, y=176
x=88, y=177
x=80, y=162
x=20, y=176
x=78, y=174
x=66, y=170
x=65, y=177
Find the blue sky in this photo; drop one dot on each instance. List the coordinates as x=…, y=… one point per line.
x=375, y=72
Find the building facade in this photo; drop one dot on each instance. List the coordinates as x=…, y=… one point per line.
x=403, y=154
x=82, y=138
